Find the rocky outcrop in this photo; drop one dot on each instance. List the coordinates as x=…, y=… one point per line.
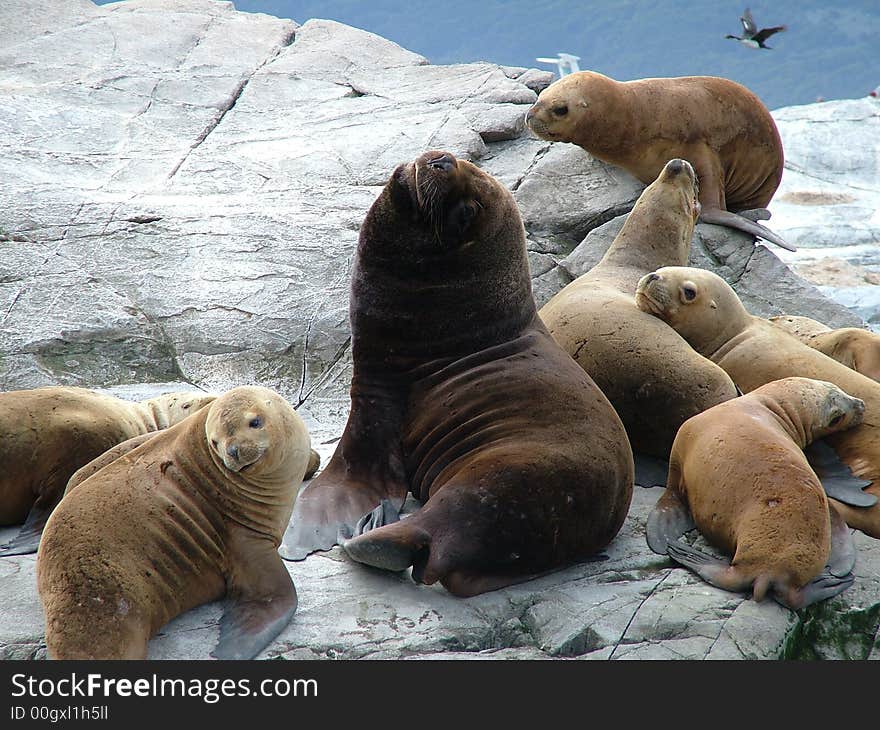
x=181, y=207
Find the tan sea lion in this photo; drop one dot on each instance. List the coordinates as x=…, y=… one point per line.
x=460, y=395
x=717, y=125
x=856, y=348
x=653, y=378
x=738, y=473
x=706, y=311
x=194, y=514
x=49, y=433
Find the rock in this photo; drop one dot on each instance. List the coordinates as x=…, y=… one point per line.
x=181, y=207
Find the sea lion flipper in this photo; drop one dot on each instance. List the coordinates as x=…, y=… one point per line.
x=650, y=470
x=825, y=585
x=755, y=214
x=385, y=514
x=314, y=464
x=733, y=220
x=836, y=477
x=713, y=570
x=260, y=601
x=668, y=521
x=28, y=538
x=843, y=549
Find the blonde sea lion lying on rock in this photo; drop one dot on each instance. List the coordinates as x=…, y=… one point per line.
x=705, y=310
x=49, y=433
x=460, y=395
x=856, y=348
x=192, y=515
x=653, y=378
x=717, y=125
x=738, y=473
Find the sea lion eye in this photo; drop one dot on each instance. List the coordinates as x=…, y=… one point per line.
x=461, y=216
x=560, y=110
x=689, y=293
x=256, y=422
x=837, y=419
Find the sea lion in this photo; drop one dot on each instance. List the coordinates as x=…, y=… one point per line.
x=49, y=433
x=194, y=514
x=653, y=378
x=738, y=473
x=705, y=310
x=717, y=125
x=856, y=348
x=460, y=395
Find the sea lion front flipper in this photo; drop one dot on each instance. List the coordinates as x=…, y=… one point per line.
x=837, y=478
x=668, y=521
x=385, y=514
x=733, y=220
x=650, y=470
x=28, y=538
x=260, y=601
x=314, y=464
x=843, y=549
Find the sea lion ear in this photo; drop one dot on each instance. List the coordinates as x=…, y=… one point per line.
x=713, y=304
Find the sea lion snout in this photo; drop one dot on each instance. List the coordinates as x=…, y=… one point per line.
x=444, y=162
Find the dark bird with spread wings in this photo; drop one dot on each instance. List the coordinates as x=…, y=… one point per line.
x=752, y=37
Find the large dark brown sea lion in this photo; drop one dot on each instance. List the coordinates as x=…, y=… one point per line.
x=738, y=473
x=460, y=395
x=706, y=311
x=194, y=514
x=717, y=125
x=49, y=433
x=653, y=378
x=856, y=348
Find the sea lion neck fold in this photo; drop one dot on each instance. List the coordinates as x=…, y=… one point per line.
x=434, y=273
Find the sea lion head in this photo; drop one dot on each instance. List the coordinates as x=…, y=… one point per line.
x=437, y=204
x=677, y=189
x=818, y=407
x=572, y=108
x=698, y=304
x=172, y=408
x=254, y=432
x=441, y=264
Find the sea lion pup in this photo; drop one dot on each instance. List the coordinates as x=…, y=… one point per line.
x=460, y=395
x=49, y=433
x=653, y=378
x=719, y=126
x=738, y=473
x=856, y=348
x=194, y=514
x=706, y=311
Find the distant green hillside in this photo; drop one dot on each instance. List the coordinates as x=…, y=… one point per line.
x=831, y=48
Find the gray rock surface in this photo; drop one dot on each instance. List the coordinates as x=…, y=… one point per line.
x=180, y=211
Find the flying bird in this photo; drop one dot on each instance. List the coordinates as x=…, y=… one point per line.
x=752, y=37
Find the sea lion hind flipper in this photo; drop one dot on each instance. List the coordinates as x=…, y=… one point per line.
x=650, y=470
x=260, y=601
x=28, y=538
x=843, y=550
x=394, y=547
x=668, y=521
x=385, y=514
x=837, y=478
x=713, y=570
x=755, y=214
x=825, y=585
x=733, y=220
